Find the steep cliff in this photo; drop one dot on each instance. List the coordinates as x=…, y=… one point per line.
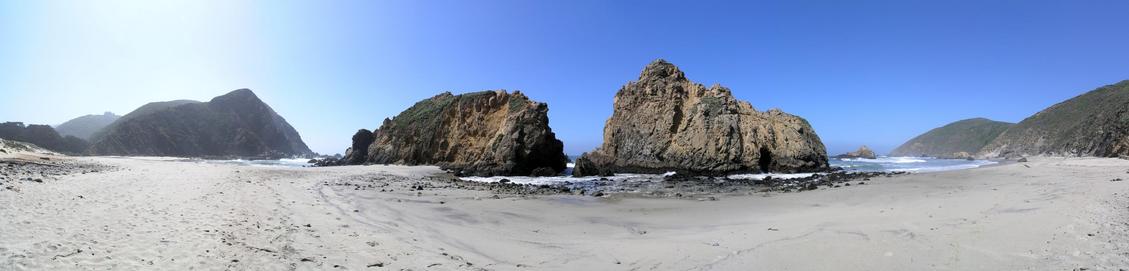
x=1095, y=123
x=664, y=122
x=236, y=124
x=480, y=133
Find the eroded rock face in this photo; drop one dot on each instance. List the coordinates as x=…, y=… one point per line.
x=862, y=152
x=664, y=122
x=482, y=133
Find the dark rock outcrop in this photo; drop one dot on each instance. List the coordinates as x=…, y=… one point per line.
x=358, y=153
x=862, y=152
x=664, y=122
x=236, y=124
x=85, y=127
x=43, y=136
x=958, y=140
x=1092, y=124
x=481, y=133
x=584, y=166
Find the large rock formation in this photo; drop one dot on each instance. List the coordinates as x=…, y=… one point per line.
x=482, y=133
x=236, y=124
x=665, y=122
x=1092, y=124
x=954, y=140
x=43, y=136
x=358, y=153
x=84, y=127
x=862, y=152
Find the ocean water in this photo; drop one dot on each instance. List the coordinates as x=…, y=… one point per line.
x=881, y=164
x=265, y=163
x=909, y=164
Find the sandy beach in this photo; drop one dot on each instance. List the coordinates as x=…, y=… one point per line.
x=160, y=214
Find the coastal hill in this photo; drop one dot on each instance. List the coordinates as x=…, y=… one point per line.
x=43, y=136
x=84, y=127
x=236, y=124
x=480, y=133
x=665, y=122
x=1095, y=123
x=960, y=139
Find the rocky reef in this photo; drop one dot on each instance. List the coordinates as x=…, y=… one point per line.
x=862, y=152
x=482, y=133
x=664, y=122
x=236, y=124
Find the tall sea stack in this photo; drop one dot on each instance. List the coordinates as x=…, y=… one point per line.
x=482, y=133
x=664, y=122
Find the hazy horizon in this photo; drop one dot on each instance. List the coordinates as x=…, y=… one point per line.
x=876, y=73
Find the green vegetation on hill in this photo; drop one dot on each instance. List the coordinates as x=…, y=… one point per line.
x=423, y=112
x=954, y=140
x=1095, y=123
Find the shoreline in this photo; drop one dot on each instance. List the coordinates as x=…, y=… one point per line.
x=1057, y=213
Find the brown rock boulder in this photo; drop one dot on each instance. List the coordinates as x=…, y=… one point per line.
x=664, y=122
x=482, y=133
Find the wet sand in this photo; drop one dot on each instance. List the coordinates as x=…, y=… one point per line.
x=154, y=213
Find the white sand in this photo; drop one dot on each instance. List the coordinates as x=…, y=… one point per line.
x=155, y=214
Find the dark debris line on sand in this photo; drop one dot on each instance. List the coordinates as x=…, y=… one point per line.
x=687, y=187
x=14, y=172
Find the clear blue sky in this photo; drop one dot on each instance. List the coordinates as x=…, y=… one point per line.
x=862, y=72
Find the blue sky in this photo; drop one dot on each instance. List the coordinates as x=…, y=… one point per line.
x=862, y=72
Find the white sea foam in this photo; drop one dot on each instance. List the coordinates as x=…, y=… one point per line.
x=910, y=164
x=285, y=162
x=952, y=167
x=560, y=179
x=881, y=164
x=761, y=176
x=892, y=160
